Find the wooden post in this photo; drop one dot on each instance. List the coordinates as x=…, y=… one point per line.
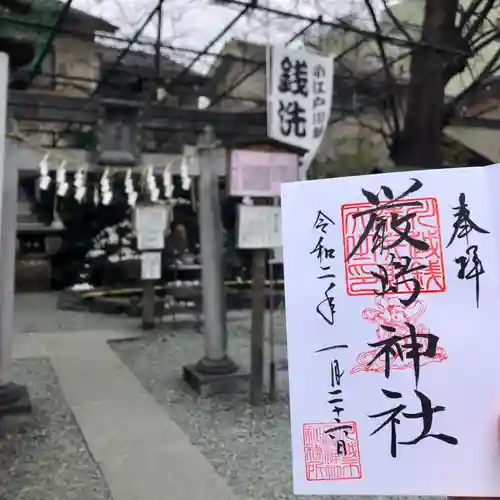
x=150, y=223
x=258, y=319
x=148, y=305
x=272, y=362
x=150, y=273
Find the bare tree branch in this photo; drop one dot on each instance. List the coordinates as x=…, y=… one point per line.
x=390, y=80
x=479, y=83
x=483, y=40
x=386, y=137
x=468, y=13
x=399, y=25
x=478, y=23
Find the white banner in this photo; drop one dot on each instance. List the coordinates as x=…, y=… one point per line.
x=391, y=304
x=300, y=90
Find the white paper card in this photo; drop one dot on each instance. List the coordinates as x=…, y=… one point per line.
x=392, y=285
x=151, y=265
x=260, y=173
x=151, y=223
x=259, y=227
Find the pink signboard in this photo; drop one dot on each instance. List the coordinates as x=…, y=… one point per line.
x=260, y=173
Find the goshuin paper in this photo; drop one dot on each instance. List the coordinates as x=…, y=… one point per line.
x=392, y=292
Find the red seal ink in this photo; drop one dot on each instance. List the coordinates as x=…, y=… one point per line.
x=368, y=247
x=331, y=451
x=395, y=321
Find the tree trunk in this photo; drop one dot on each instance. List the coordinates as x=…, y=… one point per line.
x=419, y=144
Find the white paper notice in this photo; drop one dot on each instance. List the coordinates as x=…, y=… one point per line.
x=151, y=265
x=392, y=285
x=151, y=222
x=260, y=173
x=259, y=227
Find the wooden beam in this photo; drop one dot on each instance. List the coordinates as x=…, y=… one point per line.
x=231, y=127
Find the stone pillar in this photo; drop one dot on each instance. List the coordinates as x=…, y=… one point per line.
x=210, y=374
x=14, y=398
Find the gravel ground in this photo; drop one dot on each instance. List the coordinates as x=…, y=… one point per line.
x=249, y=447
x=49, y=460
x=225, y=428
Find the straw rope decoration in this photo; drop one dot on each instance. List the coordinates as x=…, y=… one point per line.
x=102, y=194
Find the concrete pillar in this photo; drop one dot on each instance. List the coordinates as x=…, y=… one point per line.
x=205, y=376
x=215, y=334
x=13, y=398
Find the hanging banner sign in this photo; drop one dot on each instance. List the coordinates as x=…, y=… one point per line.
x=300, y=90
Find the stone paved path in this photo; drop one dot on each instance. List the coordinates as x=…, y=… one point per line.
x=141, y=451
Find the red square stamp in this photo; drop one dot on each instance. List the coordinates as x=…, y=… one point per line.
x=368, y=246
x=331, y=451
